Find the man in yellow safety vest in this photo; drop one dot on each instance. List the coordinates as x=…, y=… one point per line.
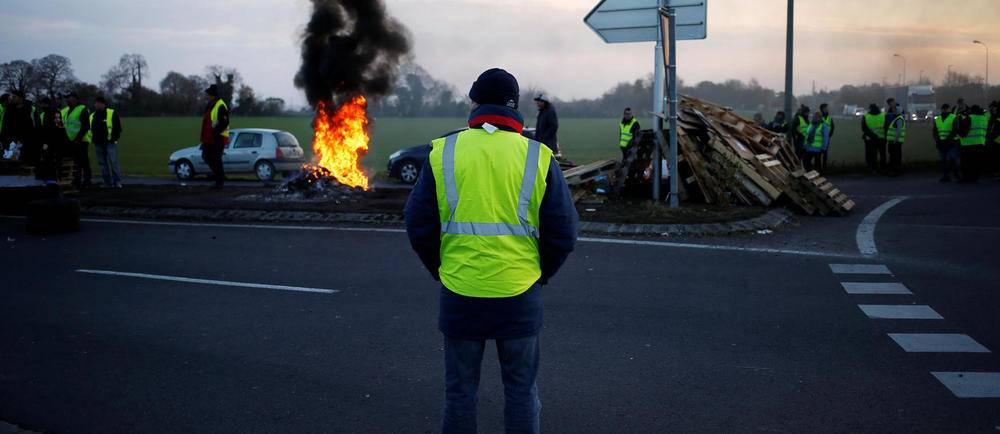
x=492, y=219
x=895, y=136
x=76, y=118
x=972, y=138
x=215, y=134
x=945, y=133
x=627, y=130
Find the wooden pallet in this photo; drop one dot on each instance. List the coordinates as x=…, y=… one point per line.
x=828, y=197
x=581, y=174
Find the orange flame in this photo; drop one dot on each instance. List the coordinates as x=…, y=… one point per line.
x=340, y=141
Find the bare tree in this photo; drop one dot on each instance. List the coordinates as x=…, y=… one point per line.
x=227, y=78
x=127, y=74
x=16, y=75
x=54, y=74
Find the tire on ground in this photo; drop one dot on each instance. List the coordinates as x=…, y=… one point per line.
x=52, y=216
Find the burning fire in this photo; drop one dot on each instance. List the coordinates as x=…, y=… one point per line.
x=340, y=141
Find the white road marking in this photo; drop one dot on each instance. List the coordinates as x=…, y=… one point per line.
x=208, y=281
x=866, y=230
x=937, y=343
x=875, y=288
x=899, y=311
x=712, y=247
x=971, y=384
x=859, y=269
x=242, y=226
x=390, y=230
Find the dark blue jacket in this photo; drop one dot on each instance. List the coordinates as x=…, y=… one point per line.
x=547, y=127
x=493, y=318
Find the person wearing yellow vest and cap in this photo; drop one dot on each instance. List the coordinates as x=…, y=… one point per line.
x=76, y=118
x=215, y=134
x=627, y=130
x=972, y=140
x=105, y=130
x=945, y=133
x=824, y=110
x=801, y=124
x=817, y=139
x=873, y=133
x=492, y=219
x=895, y=136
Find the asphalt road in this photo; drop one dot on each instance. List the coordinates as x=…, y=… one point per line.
x=638, y=338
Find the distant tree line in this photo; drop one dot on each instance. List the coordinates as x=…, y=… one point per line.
x=124, y=85
x=417, y=93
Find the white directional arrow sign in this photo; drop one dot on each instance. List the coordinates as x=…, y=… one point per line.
x=617, y=21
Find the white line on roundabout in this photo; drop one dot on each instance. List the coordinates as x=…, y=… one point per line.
x=866, y=230
x=208, y=281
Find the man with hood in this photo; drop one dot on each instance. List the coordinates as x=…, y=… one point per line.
x=547, y=124
x=492, y=219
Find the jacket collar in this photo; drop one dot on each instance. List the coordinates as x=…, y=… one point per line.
x=504, y=118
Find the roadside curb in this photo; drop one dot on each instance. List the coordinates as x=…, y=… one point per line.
x=769, y=220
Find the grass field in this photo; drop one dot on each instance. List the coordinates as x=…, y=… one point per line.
x=147, y=143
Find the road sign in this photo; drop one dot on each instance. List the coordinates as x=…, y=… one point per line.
x=617, y=21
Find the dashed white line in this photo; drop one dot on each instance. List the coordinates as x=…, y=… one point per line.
x=971, y=384
x=859, y=269
x=899, y=311
x=875, y=288
x=208, y=281
x=937, y=343
x=866, y=230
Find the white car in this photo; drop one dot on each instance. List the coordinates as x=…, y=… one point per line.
x=260, y=151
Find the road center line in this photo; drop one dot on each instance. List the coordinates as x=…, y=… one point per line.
x=866, y=230
x=392, y=230
x=208, y=281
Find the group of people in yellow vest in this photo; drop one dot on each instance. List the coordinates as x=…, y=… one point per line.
x=812, y=136
x=967, y=139
x=49, y=131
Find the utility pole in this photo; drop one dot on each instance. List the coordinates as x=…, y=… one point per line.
x=986, y=85
x=788, y=66
x=903, y=80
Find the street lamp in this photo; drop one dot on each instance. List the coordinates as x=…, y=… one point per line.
x=904, y=68
x=987, y=84
x=948, y=74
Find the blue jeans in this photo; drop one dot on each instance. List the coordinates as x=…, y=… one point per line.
x=950, y=161
x=519, y=369
x=107, y=158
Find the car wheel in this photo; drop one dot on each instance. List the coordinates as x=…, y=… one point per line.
x=264, y=171
x=409, y=172
x=184, y=170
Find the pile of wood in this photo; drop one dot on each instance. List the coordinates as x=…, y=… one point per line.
x=725, y=159
x=24, y=170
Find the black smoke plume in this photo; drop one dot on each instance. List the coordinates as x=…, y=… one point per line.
x=350, y=48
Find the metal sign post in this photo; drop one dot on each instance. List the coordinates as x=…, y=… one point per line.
x=617, y=21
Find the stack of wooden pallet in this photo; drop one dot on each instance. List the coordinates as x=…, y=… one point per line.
x=726, y=159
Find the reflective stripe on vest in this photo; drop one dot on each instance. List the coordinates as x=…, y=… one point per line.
x=897, y=130
x=944, y=126
x=489, y=188
x=215, y=115
x=71, y=120
x=107, y=120
x=876, y=123
x=977, y=131
x=626, y=133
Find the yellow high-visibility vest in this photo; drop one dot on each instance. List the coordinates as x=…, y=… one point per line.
x=72, y=122
x=944, y=125
x=489, y=191
x=876, y=123
x=215, y=115
x=107, y=120
x=626, y=133
x=977, y=131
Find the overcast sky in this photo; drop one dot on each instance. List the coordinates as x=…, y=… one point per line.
x=543, y=42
